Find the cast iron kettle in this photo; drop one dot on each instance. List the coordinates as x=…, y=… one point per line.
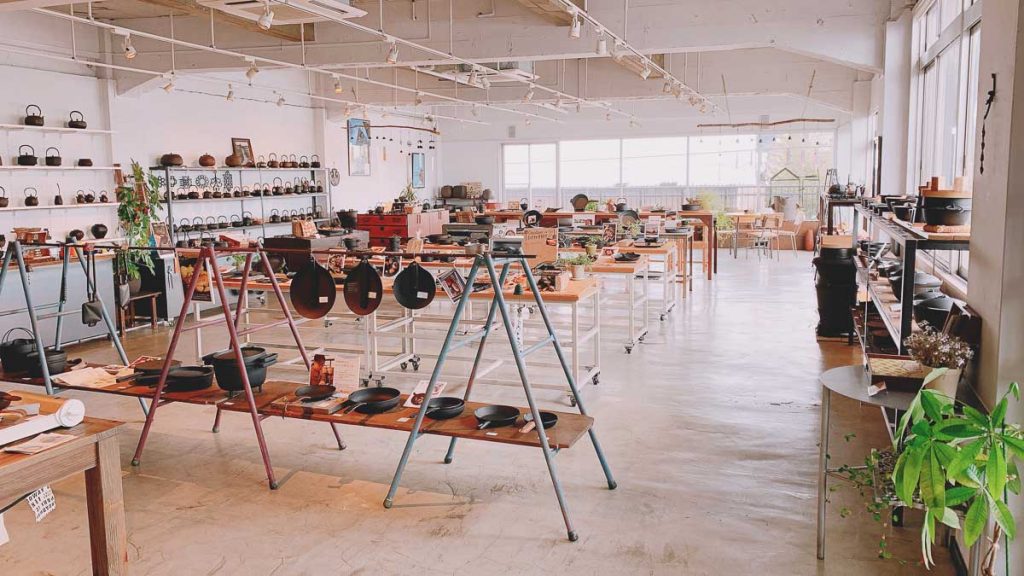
x=58, y=200
x=31, y=198
x=77, y=120
x=33, y=119
x=4, y=201
x=29, y=158
x=54, y=159
x=363, y=289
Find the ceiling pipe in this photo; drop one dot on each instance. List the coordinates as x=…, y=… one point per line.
x=280, y=63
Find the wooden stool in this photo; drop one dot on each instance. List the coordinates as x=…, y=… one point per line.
x=126, y=311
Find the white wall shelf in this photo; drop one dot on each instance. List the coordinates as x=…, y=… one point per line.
x=59, y=207
x=61, y=168
x=57, y=129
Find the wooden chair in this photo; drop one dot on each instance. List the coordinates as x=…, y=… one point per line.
x=126, y=316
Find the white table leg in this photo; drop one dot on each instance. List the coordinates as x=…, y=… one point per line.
x=826, y=401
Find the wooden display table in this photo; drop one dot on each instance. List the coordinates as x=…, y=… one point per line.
x=95, y=452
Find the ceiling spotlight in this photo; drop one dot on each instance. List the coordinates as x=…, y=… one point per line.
x=252, y=71
x=348, y=111
x=419, y=98
x=393, y=53
x=602, y=45
x=608, y=117
x=475, y=111
x=338, y=89
x=474, y=77
x=129, y=50
x=169, y=87
x=667, y=88
x=558, y=102
x=619, y=53
x=231, y=94
x=267, y=18
x=428, y=118
x=529, y=121
x=486, y=83
x=693, y=100
x=703, y=108
x=646, y=72
x=280, y=101
x=579, y=106
x=529, y=94
x=634, y=124
x=577, y=26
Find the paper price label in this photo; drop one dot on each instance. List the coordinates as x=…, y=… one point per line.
x=324, y=299
x=421, y=295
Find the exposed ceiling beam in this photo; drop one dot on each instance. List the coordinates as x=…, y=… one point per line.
x=289, y=32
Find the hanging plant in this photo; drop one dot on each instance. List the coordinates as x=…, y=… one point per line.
x=139, y=202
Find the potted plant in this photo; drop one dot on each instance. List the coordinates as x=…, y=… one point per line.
x=138, y=203
x=959, y=465
x=934, y=349
x=592, y=244
x=578, y=265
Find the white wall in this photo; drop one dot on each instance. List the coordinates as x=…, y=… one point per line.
x=896, y=105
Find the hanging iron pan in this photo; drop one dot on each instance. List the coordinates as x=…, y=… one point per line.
x=496, y=416
x=312, y=291
x=415, y=287
x=531, y=218
x=445, y=407
x=373, y=400
x=579, y=202
x=363, y=289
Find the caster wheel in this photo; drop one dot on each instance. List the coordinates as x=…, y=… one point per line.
x=135, y=462
x=641, y=339
x=662, y=317
x=415, y=366
x=404, y=366
x=447, y=460
x=273, y=485
x=572, y=401
x=387, y=503
x=573, y=536
x=629, y=349
x=613, y=485
x=216, y=429
x=596, y=380
x=364, y=382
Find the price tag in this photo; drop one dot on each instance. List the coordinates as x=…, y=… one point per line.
x=42, y=502
x=371, y=294
x=402, y=420
x=491, y=433
x=422, y=295
x=323, y=299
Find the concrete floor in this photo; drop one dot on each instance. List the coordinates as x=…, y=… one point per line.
x=711, y=428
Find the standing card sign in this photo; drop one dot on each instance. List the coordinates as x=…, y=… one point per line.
x=542, y=244
x=583, y=219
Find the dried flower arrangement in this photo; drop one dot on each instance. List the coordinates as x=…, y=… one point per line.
x=938, y=350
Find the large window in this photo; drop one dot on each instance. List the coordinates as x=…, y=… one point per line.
x=742, y=171
x=947, y=48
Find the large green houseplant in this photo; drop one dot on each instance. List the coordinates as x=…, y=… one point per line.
x=956, y=461
x=138, y=203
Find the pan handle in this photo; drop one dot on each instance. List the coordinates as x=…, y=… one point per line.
x=268, y=360
x=352, y=407
x=483, y=425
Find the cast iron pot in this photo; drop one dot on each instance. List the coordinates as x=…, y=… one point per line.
x=484, y=220
x=934, y=311
x=56, y=362
x=837, y=253
x=14, y=351
x=226, y=369
x=98, y=230
x=933, y=202
x=948, y=216
x=171, y=160
x=691, y=207
x=923, y=282
x=904, y=212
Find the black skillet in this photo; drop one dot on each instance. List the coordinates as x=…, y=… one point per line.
x=415, y=287
x=548, y=419
x=312, y=290
x=373, y=400
x=445, y=407
x=496, y=416
x=314, y=393
x=363, y=289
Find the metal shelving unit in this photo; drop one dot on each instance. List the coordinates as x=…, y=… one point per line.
x=909, y=240
x=319, y=199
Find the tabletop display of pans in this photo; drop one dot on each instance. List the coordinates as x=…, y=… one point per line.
x=363, y=289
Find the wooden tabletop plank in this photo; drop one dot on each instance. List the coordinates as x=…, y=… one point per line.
x=570, y=427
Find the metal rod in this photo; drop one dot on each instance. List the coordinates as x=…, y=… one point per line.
x=569, y=376
x=549, y=459
x=442, y=355
x=65, y=256
x=492, y=310
x=40, y=350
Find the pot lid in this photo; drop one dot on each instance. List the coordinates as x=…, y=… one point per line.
x=248, y=353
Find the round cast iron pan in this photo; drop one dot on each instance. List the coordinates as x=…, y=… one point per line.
x=314, y=393
x=548, y=419
x=363, y=289
x=189, y=378
x=373, y=400
x=445, y=407
x=531, y=218
x=496, y=416
x=312, y=290
x=6, y=399
x=415, y=287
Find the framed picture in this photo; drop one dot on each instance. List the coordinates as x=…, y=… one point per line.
x=452, y=283
x=358, y=147
x=243, y=148
x=161, y=236
x=418, y=166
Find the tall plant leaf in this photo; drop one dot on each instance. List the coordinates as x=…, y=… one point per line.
x=995, y=470
x=959, y=494
x=967, y=455
x=975, y=520
x=933, y=483
x=1016, y=445
x=999, y=414
x=1003, y=517
x=911, y=476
